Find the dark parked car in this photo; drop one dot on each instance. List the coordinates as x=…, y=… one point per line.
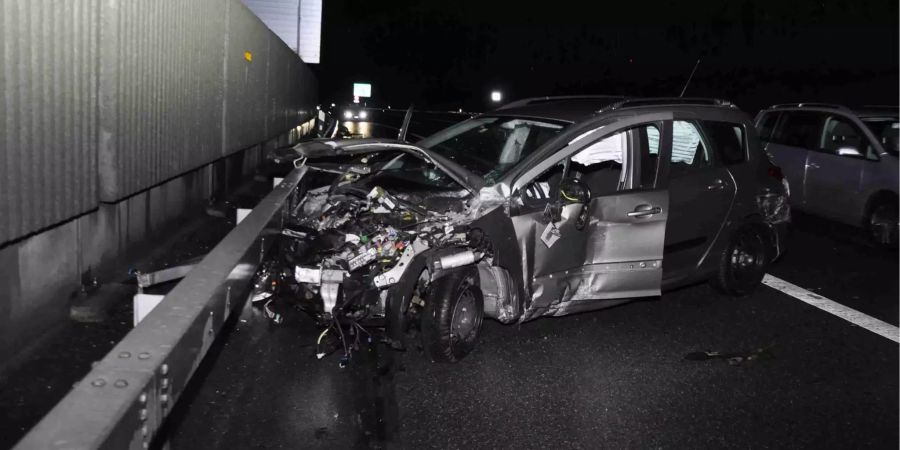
x=544, y=207
x=841, y=163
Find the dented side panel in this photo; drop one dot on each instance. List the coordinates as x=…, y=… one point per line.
x=621, y=255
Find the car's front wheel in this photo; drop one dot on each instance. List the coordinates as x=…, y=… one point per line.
x=742, y=265
x=451, y=319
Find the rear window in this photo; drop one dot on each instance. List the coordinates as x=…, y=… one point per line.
x=767, y=125
x=727, y=140
x=799, y=129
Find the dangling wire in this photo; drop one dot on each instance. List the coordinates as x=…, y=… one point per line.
x=343, y=340
x=320, y=354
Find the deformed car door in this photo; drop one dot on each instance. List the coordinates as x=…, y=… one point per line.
x=616, y=253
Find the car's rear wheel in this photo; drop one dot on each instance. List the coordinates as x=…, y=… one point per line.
x=882, y=223
x=742, y=265
x=451, y=320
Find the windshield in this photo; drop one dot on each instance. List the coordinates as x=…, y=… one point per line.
x=885, y=130
x=490, y=146
x=402, y=171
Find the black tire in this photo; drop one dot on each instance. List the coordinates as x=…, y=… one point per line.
x=881, y=223
x=743, y=263
x=451, y=319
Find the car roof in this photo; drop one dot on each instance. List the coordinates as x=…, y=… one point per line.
x=567, y=109
x=861, y=111
x=578, y=108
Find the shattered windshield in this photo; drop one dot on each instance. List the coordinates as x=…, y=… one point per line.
x=885, y=130
x=402, y=171
x=490, y=146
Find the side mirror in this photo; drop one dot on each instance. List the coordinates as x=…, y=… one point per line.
x=849, y=151
x=574, y=191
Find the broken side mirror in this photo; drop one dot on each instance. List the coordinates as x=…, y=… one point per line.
x=575, y=191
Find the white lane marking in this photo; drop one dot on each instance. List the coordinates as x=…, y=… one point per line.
x=851, y=315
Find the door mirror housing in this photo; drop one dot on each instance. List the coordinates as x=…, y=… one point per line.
x=849, y=151
x=573, y=190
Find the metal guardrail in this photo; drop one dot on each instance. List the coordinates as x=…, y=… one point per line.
x=127, y=396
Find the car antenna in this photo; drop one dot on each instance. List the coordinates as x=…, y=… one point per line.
x=404, y=127
x=689, y=78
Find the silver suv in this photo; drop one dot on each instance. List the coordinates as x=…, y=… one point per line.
x=840, y=163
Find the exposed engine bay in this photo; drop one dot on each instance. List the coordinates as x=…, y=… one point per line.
x=346, y=244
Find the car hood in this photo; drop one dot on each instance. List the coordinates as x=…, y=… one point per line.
x=321, y=148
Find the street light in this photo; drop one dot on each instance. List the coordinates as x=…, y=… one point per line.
x=496, y=96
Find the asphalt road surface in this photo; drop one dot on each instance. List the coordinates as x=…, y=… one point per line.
x=787, y=374
x=780, y=373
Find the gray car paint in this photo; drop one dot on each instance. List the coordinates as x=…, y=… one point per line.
x=616, y=256
x=832, y=186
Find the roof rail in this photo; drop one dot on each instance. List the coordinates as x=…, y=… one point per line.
x=657, y=101
x=533, y=100
x=810, y=105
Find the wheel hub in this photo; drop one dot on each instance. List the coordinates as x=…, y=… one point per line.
x=463, y=321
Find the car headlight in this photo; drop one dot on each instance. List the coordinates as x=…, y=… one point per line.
x=348, y=114
x=363, y=114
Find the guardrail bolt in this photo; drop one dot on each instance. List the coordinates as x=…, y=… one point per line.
x=143, y=398
x=99, y=382
x=165, y=383
x=120, y=384
x=124, y=355
x=164, y=369
x=164, y=398
x=143, y=414
x=144, y=355
x=145, y=430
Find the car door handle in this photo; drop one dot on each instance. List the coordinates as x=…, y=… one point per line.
x=812, y=166
x=644, y=211
x=717, y=185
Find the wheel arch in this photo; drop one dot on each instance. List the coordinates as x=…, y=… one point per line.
x=874, y=199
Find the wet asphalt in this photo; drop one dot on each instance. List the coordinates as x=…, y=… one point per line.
x=625, y=377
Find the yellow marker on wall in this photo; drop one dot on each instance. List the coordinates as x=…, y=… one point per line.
x=248, y=56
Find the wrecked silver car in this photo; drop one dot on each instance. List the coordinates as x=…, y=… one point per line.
x=545, y=207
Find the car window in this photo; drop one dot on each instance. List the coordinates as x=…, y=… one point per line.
x=600, y=165
x=727, y=140
x=886, y=130
x=799, y=129
x=491, y=146
x=841, y=137
x=767, y=126
x=689, y=153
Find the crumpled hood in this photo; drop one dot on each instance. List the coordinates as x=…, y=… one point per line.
x=321, y=148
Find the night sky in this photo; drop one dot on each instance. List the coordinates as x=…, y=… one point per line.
x=451, y=54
